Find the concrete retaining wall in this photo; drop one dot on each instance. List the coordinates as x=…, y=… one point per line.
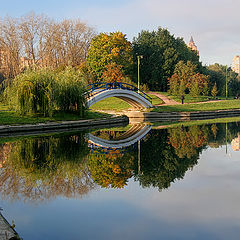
x=140, y=116
x=187, y=116
x=6, y=130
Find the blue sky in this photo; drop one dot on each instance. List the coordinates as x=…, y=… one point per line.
x=214, y=24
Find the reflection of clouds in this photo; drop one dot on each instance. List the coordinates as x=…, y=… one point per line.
x=208, y=194
x=206, y=201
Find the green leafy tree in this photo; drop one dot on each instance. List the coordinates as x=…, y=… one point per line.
x=174, y=82
x=217, y=73
x=214, y=91
x=69, y=92
x=186, y=79
x=161, y=52
x=43, y=91
x=32, y=92
x=185, y=71
x=108, y=48
x=198, y=84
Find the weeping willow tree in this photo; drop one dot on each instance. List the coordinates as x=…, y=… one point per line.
x=32, y=92
x=70, y=91
x=43, y=91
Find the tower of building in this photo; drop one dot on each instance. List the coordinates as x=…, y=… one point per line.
x=192, y=45
x=236, y=64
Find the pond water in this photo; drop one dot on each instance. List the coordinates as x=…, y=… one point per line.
x=133, y=182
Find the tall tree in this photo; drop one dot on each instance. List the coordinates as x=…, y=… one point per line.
x=161, y=52
x=219, y=74
x=109, y=48
x=43, y=42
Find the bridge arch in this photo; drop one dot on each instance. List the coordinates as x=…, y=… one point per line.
x=130, y=137
x=128, y=93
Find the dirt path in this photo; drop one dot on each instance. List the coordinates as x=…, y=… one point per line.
x=167, y=101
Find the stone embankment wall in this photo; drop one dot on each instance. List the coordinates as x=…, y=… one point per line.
x=187, y=116
x=6, y=130
x=135, y=116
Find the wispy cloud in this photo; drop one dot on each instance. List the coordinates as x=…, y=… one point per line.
x=214, y=24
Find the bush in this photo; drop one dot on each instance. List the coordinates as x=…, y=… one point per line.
x=32, y=92
x=69, y=95
x=43, y=91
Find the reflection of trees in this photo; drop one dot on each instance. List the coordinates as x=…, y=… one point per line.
x=186, y=141
x=107, y=134
x=160, y=164
x=168, y=154
x=44, y=167
x=112, y=169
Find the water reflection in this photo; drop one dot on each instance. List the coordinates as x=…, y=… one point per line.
x=7, y=231
x=45, y=167
x=236, y=143
x=42, y=168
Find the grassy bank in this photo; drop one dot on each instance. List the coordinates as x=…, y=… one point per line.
x=11, y=117
x=111, y=103
x=208, y=106
x=192, y=99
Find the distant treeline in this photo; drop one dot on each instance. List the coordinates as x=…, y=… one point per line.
x=166, y=63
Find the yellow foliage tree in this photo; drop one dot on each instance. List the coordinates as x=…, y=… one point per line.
x=109, y=48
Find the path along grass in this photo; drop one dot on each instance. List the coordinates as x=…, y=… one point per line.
x=192, y=99
x=208, y=106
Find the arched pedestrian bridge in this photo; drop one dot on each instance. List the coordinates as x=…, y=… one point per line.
x=130, y=137
x=127, y=92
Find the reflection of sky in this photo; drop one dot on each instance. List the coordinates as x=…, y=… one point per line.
x=203, y=205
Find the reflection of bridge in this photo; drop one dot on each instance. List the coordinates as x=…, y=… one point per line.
x=130, y=137
x=129, y=93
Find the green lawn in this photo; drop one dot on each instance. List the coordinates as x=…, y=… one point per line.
x=11, y=117
x=117, y=104
x=192, y=99
x=111, y=103
x=208, y=106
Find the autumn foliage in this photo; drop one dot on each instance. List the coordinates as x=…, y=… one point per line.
x=186, y=80
x=109, y=48
x=113, y=73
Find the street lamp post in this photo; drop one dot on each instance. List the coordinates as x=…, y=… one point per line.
x=138, y=58
x=226, y=82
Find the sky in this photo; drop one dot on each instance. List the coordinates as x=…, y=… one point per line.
x=214, y=24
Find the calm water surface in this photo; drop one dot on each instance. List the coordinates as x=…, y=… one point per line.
x=124, y=183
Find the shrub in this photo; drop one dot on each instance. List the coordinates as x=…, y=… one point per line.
x=69, y=94
x=43, y=91
x=32, y=92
